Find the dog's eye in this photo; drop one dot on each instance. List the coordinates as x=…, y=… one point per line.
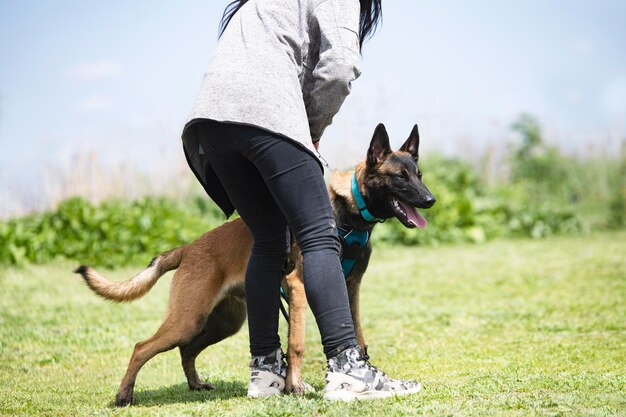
x=403, y=176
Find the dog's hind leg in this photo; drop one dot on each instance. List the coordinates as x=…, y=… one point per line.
x=171, y=334
x=225, y=320
x=187, y=313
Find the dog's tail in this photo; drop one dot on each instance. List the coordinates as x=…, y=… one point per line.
x=135, y=287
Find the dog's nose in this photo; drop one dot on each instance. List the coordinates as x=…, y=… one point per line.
x=429, y=201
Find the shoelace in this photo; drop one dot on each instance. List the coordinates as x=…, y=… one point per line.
x=365, y=361
x=259, y=362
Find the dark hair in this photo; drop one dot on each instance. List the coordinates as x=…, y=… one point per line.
x=370, y=16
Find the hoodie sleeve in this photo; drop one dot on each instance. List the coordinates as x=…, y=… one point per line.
x=338, y=25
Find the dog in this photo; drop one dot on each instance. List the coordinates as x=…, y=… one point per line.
x=207, y=299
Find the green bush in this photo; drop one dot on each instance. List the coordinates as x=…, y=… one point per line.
x=115, y=233
x=547, y=194
x=120, y=232
x=617, y=204
x=468, y=211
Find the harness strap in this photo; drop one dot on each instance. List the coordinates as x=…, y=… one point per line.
x=352, y=243
x=283, y=310
x=360, y=203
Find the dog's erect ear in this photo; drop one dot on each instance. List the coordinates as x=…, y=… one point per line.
x=379, y=146
x=412, y=144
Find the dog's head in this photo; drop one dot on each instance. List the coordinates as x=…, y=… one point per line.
x=392, y=181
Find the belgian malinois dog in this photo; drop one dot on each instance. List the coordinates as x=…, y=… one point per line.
x=207, y=300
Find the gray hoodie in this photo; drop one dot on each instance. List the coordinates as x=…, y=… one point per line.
x=282, y=65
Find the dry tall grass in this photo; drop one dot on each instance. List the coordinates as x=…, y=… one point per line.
x=86, y=175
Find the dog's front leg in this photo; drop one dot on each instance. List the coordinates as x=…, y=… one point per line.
x=353, y=294
x=297, y=317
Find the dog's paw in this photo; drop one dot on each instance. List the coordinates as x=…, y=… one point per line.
x=300, y=389
x=123, y=401
x=201, y=386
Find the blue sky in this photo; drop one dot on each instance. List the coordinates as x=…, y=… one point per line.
x=118, y=78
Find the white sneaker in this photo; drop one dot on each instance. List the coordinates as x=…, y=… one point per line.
x=267, y=374
x=351, y=377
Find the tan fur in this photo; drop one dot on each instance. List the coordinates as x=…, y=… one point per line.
x=210, y=274
x=340, y=184
x=207, y=290
x=209, y=269
x=207, y=300
x=140, y=284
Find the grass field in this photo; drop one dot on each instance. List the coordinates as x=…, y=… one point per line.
x=507, y=328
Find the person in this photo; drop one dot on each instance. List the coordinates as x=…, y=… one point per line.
x=280, y=72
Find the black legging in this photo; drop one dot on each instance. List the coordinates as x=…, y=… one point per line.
x=277, y=185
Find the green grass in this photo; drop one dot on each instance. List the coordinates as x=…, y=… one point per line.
x=507, y=328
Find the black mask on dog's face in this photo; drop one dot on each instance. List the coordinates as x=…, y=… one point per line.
x=393, y=180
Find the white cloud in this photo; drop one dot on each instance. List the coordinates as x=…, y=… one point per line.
x=96, y=102
x=93, y=71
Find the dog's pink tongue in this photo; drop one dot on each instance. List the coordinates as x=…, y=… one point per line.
x=414, y=216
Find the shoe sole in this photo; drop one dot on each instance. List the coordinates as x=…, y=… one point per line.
x=267, y=392
x=265, y=384
x=347, y=395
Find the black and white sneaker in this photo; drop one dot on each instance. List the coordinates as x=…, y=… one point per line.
x=267, y=374
x=351, y=377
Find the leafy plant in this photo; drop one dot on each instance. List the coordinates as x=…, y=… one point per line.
x=547, y=194
x=115, y=233
x=617, y=205
x=468, y=211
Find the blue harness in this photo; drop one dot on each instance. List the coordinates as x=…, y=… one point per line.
x=360, y=203
x=352, y=241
